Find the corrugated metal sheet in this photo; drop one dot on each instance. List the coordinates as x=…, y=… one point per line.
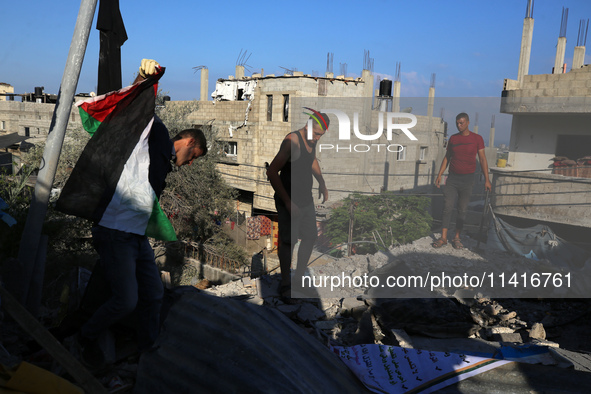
x=218, y=345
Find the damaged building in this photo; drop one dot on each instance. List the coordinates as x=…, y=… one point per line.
x=254, y=113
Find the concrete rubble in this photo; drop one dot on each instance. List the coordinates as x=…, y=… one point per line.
x=456, y=321
x=354, y=318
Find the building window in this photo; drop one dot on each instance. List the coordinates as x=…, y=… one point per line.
x=401, y=155
x=269, y=107
x=27, y=132
x=3, y=125
x=286, y=107
x=423, y=153
x=231, y=149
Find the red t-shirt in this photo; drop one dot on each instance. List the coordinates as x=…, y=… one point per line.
x=462, y=151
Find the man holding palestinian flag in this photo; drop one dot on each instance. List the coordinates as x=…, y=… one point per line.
x=117, y=183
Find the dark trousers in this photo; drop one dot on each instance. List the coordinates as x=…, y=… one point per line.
x=134, y=279
x=457, y=187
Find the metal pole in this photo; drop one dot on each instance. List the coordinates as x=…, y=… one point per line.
x=38, y=209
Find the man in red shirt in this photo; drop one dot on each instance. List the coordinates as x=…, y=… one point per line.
x=462, y=149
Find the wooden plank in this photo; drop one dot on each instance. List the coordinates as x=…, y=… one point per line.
x=44, y=338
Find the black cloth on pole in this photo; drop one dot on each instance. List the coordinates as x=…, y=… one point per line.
x=112, y=36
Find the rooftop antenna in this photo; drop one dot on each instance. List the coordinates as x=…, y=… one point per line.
x=289, y=71
x=397, y=75
x=242, y=59
x=583, y=30
x=529, y=10
x=198, y=68
x=367, y=61
x=329, y=60
x=563, y=22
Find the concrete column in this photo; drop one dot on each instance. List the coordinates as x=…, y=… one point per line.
x=396, y=97
x=239, y=72
x=368, y=79
x=430, y=105
x=329, y=75
x=559, y=61
x=204, y=84
x=526, y=40
x=578, y=57
x=475, y=129
x=491, y=137
x=431, y=102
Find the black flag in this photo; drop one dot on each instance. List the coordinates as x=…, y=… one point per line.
x=112, y=36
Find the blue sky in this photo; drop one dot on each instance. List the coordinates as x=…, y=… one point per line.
x=471, y=46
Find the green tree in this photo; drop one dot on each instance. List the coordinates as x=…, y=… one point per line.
x=196, y=198
x=386, y=219
x=17, y=195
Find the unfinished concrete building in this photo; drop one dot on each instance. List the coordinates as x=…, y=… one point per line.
x=253, y=114
x=548, y=177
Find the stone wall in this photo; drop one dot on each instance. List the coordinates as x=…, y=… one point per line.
x=18, y=116
x=553, y=93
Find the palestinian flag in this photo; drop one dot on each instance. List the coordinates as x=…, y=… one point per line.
x=110, y=183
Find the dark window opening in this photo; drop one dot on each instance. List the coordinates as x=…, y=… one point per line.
x=269, y=108
x=286, y=107
x=231, y=149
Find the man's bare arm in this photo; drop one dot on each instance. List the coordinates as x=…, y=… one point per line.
x=441, y=171
x=484, y=166
x=322, y=190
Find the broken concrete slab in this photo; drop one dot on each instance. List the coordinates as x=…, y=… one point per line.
x=500, y=330
x=511, y=337
x=507, y=316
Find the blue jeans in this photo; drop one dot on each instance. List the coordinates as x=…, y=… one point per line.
x=459, y=186
x=131, y=272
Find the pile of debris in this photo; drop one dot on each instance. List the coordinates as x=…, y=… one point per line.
x=247, y=323
x=352, y=316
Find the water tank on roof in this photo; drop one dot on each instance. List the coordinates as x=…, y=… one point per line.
x=385, y=88
x=39, y=91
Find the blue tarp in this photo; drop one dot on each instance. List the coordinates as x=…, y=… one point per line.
x=6, y=218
